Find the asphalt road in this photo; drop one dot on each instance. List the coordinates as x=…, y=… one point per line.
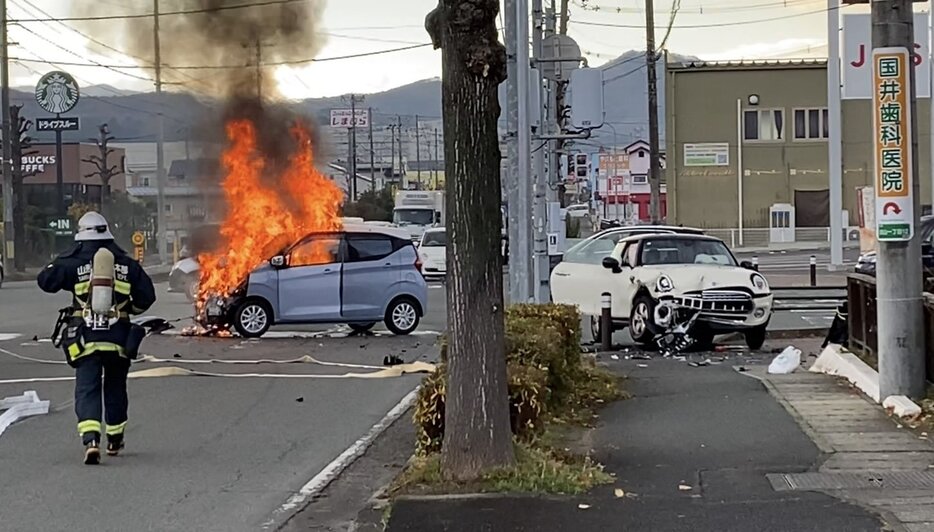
x=798, y=260
x=204, y=453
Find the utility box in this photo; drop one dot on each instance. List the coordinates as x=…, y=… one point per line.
x=587, y=106
x=781, y=223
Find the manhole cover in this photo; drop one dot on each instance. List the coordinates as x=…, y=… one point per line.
x=896, y=480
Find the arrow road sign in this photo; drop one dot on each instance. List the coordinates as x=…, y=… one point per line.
x=57, y=124
x=891, y=206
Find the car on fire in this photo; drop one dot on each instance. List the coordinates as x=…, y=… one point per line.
x=359, y=276
x=693, y=274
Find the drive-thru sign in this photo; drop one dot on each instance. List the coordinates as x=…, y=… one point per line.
x=891, y=126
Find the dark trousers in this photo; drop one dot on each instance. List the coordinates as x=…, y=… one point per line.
x=88, y=372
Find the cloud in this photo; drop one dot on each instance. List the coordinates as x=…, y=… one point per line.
x=797, y=47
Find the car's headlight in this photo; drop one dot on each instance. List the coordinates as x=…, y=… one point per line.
x=759, y=282
x=664, y=284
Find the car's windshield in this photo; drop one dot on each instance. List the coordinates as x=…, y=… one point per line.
x=593, y=250
x=685, y=251
x=434, y=239
x=413, y=216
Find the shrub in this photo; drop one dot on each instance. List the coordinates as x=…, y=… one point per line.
x=566, y=319
x=537, y=343
x=528, y=390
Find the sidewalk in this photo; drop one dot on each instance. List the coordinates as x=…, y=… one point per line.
x=691, y=450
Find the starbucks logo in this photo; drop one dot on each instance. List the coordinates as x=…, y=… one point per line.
x=57, y=92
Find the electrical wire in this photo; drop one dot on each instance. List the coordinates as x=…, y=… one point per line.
x=700, y=10
x=711, y=25
x=161, y=14
x=675, y=6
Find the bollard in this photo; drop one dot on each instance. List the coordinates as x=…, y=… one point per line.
x=755, y=262
x=606, y=322
x=813, y=270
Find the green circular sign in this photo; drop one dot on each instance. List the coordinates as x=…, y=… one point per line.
x=57, y=92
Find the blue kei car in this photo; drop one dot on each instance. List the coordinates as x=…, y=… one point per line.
x=361, y=275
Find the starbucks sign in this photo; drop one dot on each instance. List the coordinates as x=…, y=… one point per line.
x=57, y=92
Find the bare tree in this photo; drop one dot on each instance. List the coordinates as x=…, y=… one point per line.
x=477, y=435
x=22, y=146
x=105, y=171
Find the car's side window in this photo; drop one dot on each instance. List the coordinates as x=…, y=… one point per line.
x=593, y=252
x=315, y=251
x=632, y=254
x=370, y=247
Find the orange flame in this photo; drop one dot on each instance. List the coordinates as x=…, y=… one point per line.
x=259, y=223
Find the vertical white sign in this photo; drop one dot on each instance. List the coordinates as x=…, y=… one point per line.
x=857, y=56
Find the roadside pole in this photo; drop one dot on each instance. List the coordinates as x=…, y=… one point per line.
x=517, y=294
x=835, y=128
x=162, y=232
x=523, y=206
x=539, y=207
x=898, y=267
x=7, y=137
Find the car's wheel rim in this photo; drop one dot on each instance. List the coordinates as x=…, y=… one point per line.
x=404, y=316
x=639, y=320
x=253, y=319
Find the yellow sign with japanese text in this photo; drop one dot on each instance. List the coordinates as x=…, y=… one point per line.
x=891, y=121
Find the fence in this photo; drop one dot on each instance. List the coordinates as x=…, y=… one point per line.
x=863, y=338
x=760, y=237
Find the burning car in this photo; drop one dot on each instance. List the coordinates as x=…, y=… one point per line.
x=694, y=278
x=360, y=275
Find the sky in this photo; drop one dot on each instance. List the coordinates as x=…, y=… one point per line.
x=709, y=29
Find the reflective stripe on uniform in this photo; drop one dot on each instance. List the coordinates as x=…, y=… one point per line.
x=89, y=425
x=93, y=347
x=113, y=430
x=122, y=287
x=82, y=288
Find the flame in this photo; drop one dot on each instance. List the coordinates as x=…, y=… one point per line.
x=261, y=221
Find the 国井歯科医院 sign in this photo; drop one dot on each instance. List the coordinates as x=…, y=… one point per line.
x=891, y=121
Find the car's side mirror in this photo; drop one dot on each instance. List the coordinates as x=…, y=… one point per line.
x=611, y=263
x=747, y=265
x=278, y=261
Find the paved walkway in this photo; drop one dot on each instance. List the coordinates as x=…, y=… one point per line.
x=871, y=459
x=693, y=450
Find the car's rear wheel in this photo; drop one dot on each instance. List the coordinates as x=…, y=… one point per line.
x=755, y=338
x=252, y=318
x=402, y=316
x=191, y=288
x=360, y=328
x=641, y=321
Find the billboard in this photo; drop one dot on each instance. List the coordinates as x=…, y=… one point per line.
x=857, y=56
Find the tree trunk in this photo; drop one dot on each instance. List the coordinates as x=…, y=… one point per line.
x=477, y=436
x=105, y=195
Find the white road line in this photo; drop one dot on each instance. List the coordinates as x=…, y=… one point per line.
x=327, y=475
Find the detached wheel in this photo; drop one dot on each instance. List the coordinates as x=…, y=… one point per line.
x=361, y=328
x=252, y=318
x=641, y=321
x=756, y=337
x=402, y=316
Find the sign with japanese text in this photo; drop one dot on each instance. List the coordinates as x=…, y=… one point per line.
x=857, y=49
x=58, y=124
x=614, y=165
x=891, y=126
x=345, y=117
x=707, y=154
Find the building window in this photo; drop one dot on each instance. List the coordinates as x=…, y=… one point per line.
x=763, y=125
x=168, y=208
x=640, y=179
x=641, y=154
x=145, y=182
x=811, y=124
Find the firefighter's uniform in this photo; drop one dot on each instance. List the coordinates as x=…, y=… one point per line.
x=106, y=352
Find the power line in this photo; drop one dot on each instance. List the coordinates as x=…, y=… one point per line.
x=224, y=67
x=161, y=14
x=712, y=25
x=700, y=10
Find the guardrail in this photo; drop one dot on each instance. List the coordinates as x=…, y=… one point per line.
x=828, y=297
x=863, y=338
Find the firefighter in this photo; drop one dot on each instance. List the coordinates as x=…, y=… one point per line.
x=95, y=332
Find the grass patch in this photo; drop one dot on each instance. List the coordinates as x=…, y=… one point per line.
x=595, y=388
x=537, y=471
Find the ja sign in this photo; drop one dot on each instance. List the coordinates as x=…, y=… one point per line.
x=857, y=57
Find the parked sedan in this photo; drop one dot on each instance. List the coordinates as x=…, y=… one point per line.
x=866, y=264
x=694, y=274
x=358, y=276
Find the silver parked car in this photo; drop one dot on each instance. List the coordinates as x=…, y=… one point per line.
x=359, y=276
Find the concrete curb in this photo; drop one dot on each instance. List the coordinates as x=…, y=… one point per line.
x=836, y=360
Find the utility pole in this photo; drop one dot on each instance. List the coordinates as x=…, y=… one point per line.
x=650, y=60
x=519, y=151
x=539, y=212
x=898, y=268
x=259, y=69
x=835, y=128
x=392, y=152
x=418, y=154
x=437, y=159
x=8, y=235
x=162, y=230
x=372, y=155
x=402, y=178
x=564, y=18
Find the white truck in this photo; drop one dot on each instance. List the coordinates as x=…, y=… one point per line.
x=417, y=210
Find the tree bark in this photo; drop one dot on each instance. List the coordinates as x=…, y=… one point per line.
x=477, y=436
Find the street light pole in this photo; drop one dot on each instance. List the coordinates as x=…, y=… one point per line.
x=8, y=233
x=162, y=232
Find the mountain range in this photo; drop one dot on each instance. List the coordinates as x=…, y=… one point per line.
x=131, y=115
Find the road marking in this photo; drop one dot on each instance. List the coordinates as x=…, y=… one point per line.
x=339, y=464
x=4, y=337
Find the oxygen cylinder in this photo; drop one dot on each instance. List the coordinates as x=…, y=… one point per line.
x=102, y=282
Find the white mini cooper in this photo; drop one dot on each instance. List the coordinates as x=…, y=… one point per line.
x=694, y=274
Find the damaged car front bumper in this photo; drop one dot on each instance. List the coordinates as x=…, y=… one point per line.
x=722, y=310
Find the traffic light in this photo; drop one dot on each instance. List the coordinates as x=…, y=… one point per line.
x=582, y=166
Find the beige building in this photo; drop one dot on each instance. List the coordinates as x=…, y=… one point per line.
x=783, y=133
